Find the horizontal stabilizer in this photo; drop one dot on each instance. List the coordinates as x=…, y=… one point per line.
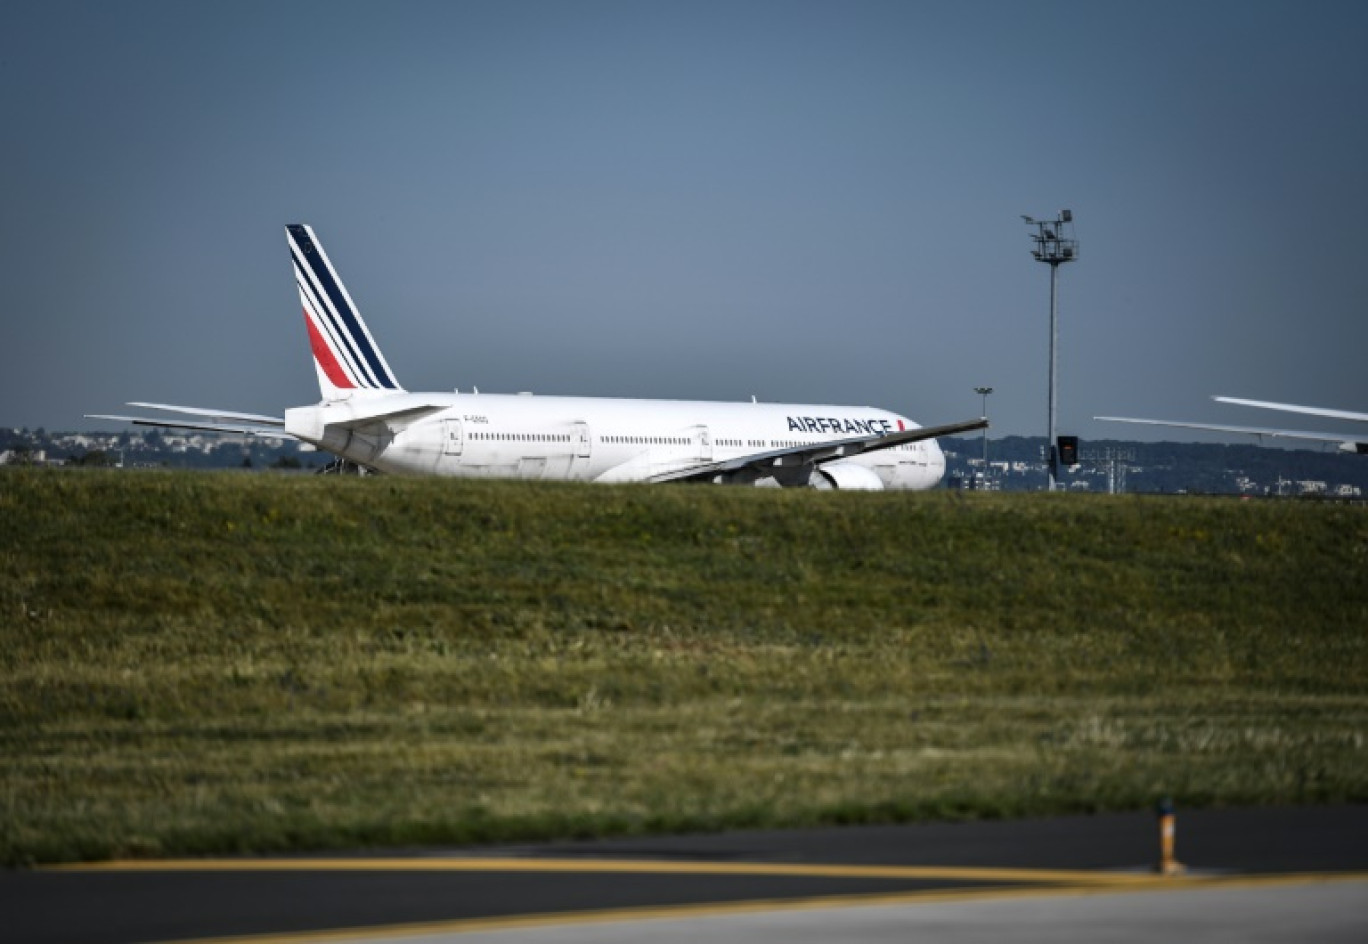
x=216, y=414
x=241, y=429
x=386, y=411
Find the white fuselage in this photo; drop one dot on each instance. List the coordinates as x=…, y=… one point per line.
x=605, y=440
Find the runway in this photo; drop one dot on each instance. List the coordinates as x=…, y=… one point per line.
x=1289, y=873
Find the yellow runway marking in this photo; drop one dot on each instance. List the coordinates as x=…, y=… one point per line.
x=634, y=866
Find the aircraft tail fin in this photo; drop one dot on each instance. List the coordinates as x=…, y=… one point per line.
x=346, y=356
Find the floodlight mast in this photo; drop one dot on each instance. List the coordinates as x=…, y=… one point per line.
x=1053, y=245
x=983, y=392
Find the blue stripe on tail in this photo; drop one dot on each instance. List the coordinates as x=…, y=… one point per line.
x=359, y=348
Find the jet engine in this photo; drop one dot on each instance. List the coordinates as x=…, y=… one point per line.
x=846, y=475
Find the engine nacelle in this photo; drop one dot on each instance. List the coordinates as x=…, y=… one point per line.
x=846, y=476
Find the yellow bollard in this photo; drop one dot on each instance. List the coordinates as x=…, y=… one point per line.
x=1168, y=827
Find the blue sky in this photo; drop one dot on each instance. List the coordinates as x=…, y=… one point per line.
x=805, y=202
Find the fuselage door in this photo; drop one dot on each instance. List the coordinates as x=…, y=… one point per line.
x=579, y=435
x=703, y=443
x=453, y=437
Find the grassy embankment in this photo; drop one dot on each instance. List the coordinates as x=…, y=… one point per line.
x=194, y=663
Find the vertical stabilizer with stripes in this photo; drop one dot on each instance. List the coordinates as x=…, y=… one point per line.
x=346, y=356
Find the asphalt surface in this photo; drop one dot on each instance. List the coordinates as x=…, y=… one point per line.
x=1326, y=913
x=1257, y=859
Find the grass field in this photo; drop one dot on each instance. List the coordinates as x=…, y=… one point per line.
x=218, y=662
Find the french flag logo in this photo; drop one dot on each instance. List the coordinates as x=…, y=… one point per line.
x=344, y=351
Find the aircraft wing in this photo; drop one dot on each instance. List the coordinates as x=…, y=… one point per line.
x=1346, y=443
x=213, y=421
x=814, y=453
x=1294, y=408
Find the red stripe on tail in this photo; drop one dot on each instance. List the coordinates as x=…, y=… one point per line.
x=324, y=355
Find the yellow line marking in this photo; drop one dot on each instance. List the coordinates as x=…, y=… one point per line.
x=725, y=909
x=634, y=866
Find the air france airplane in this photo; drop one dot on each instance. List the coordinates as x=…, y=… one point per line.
x=367, y=418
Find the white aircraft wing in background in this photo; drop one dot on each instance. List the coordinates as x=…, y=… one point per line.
x=1294, y=408
x=1347, y=442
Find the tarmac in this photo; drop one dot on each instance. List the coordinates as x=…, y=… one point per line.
x=1251, y=875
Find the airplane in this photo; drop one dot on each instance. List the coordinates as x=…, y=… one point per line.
x=365, y=417
x=1347, y=443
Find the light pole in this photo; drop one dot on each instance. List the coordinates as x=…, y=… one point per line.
x=1053, y=246
x=983, y=392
